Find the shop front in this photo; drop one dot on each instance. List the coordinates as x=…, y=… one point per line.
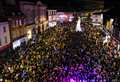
x=18, y=42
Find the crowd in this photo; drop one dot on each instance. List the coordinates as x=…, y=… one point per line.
x=62, y=55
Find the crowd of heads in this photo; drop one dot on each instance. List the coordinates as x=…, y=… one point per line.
x=62, y=55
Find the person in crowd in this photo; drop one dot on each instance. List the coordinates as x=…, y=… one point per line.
x=62, y=55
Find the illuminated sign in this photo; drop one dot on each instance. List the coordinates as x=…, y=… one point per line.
x=16, y=44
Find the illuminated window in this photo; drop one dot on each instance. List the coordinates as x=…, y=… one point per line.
x=16, y=22
x=20, y=22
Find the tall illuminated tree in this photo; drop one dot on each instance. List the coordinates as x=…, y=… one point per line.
x=78, y=26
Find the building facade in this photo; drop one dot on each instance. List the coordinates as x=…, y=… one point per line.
x=52, y=17
x=36, y=17
x=4, y=35
x=41, y=16
x=17, y=30
x=28, y=9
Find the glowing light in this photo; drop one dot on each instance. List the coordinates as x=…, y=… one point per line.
x=111, y=20
x=9, y=68
x=1, y=80
x=101, y=16
x=96, y=24
x=119, y=53
x=50, y=18
x=71, y=18
x=16, y=44
x=52, y=24
x=84, y=81
x=29, y=33
x=63, y=16
x=118, y=48
x=107, y=38
x=72, y=80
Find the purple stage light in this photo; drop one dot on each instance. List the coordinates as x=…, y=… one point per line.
x=72, y=80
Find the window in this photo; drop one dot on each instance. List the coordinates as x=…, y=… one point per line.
x=54, y=13
x=5, y=39
x=20, y=22
x=17, y=22
x=4, y=29
x=50, y=12
x=0, y=42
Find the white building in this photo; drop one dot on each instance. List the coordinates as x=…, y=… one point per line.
x=52, y=12
x=4, y=35
x=52, y=17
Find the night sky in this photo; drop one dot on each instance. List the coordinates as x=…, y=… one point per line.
x=75, y=4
